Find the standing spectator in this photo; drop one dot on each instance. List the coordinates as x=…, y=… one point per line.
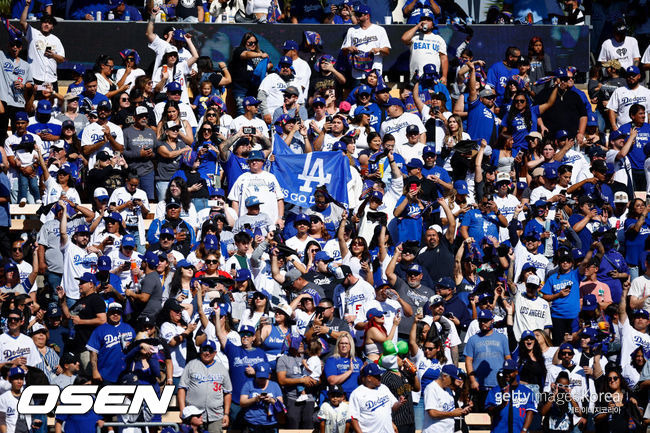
x=366, y=44
x=499, y=73
x=169, y=152
x=620, y=47
x=485, y=353
x=14, y=82
x=5, y=214
x=10, y=419
x=401, y=381
x=45, y=50
x=244, y=62
x=16, y=348
x=621, y=101
x=569, y=112
x=102, y=135
x=205, y=384
x=427, y=47
x=85, y=314
x=257, y=182
x=510, y=404
x=531, y=310
x=148, y=301
x=107, y=344
x=276, y=86
x=415, y=10
x=139, y=142
x=440, y=407
x=262, y=400
x=372, y=404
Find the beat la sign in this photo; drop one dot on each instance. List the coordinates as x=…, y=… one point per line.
x=80, y=399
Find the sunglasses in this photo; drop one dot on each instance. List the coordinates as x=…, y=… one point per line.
x=207, y=350
x=124, y=99
x=17, y=249
x=207, y=130
x=567, y=353
x=520, y=101
x=251, y=43
x=211, y=262
x=14, y=319
x=565, y=79
x=210, y=114
x=613, y=379
x=167, y=238
x=429, y=348
x=247, y=335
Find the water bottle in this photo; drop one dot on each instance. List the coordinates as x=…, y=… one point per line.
x=127, y=15
x=469, y=20
x=548, y=243
x=554, y=21
x=98, y=16
x=110, y=16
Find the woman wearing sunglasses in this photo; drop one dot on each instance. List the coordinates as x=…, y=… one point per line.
x=615, y=410
x=521, y=118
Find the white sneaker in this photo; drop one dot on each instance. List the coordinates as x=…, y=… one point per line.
x=23, y=202
x=301, y=398
x=39, y=201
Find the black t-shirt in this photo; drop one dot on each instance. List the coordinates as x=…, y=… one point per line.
x=108, y=177
x=321, y=82
x=400, y=386
x=336, y=325
x=195, y=177
x=438, y=261
x=327, y=282
x=87, y=307
x=565, y=113
x=242, y=69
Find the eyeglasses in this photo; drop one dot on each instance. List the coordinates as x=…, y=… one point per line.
x=210, y=114
x=124, y=99
x=29, y=304
x=167, y=238
x=211, y=262
x=357, y=244
x=207, y=130
x=613, y=379
x=251, y=43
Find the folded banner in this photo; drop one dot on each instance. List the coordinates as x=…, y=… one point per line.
x=299, y=175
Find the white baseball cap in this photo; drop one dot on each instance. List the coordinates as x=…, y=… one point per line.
x=533, y=279
x=621, y=197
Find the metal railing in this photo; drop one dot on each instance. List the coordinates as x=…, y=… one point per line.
x=139, y=424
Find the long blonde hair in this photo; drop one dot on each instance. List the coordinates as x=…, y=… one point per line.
x=343, y=335
x=458, y=136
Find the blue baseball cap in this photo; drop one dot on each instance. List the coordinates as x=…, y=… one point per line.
x=262, y=370
x=485, y=315
x=430, y=70
x=566, y=346
x=317, y=100
x=364, y=89
x=256, y=155
x=243, y=275
x=592, y=120
x=166, y=231
x=374, y=312
x=395, y=101
x=415, y=163
x=509, y=365
x=370, y=369
x=445, y=282
x=11, y=267
x=561, y=134
x=104, y=263
x=78, y=68
x=174, y=86
x=290, y=45
x=426, y=15
x=251, y=100
x=246, y=329
x=363, y=9
x=83, y=228
x=285, y=60
x=414, y=269
x=115, y=216
x=150, y=258
x=561, y=73
x=209, y=346
x=615, y=135
x=550, y=173
x=451, y=370
x=183, y=264
x=633, y=70
x=527, y=334
x=16, y=372
x=210, y=242
x=322, y=255
x=22, y=116
x=44, y=107
x=589, y=302
x=377, y=195
x=87, y=277
x=640, y=313
x=429, y=150
x=461, y=187
x=362, y=110
x=528, y=267
x=339, y=146
x=301, y=218
x=252, y=201
x=590, y=332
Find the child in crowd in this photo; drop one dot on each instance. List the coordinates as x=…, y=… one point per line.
x=201, y=101
x=333, y=414
x=313, y=365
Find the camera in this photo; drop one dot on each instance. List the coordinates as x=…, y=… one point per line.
x=27, y=146
x=502, y=379
x=328, y=118
x=249, y=130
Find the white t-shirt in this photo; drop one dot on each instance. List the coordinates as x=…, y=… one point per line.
x=580, y=165
x=298, y=245
x=185, y=109
x=641, y=287
x=522, y=256
x=441, y=400
x=372, y=408
x=646, y=55
x=160, y=46
x=76, y=261
x=94, y=133
x=623, y=98
x=9, y=406
x=397, y=127
x=506, y=206
x=631, y=339
x=263, y=185
x=241, y=121
x=43, y=68
x=530, y=314
x=365, y=40
x=53, y=191
x=179, y=352
x=624, y=52
x=272, y=86
x=426, y=49
x=19, y=347
x=131, y=217
x=180, y=71
x=315, y=366
x=118, y=259
x=303, y=75
x=622, y=167
x=130, y=79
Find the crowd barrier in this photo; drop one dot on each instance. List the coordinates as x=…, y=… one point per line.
x=84, y=41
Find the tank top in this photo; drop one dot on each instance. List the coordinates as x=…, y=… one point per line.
x=272, y=345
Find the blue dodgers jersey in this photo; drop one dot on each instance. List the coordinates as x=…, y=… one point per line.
x=523, y=400
x=240, y=358
x=109, y=341
x=569, y=307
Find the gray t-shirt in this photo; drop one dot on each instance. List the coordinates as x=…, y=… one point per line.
x=166, y=167
x=49, y=236
x=80, y=120
x=294, y=368
x=205, y=387
x=13, y=70
x=415, y=298
x=134, y=141
x=261, y=221
x=151, y=284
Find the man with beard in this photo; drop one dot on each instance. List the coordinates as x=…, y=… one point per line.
x=569, y=111
x=102, y=135
x=326, y=326
x=618, y=107
x=274, y=86
x=320, y=275
x=481, y=120
x=78, y=257
x=184, y=233
x=410, y=290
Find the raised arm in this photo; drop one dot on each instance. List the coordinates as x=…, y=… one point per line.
x=340, y=234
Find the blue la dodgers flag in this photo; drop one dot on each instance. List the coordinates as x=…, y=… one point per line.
x=299, y=175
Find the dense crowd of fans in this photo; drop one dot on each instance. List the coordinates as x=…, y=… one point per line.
x=487, y=216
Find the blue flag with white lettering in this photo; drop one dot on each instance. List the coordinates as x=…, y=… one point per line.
x=299, y=175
